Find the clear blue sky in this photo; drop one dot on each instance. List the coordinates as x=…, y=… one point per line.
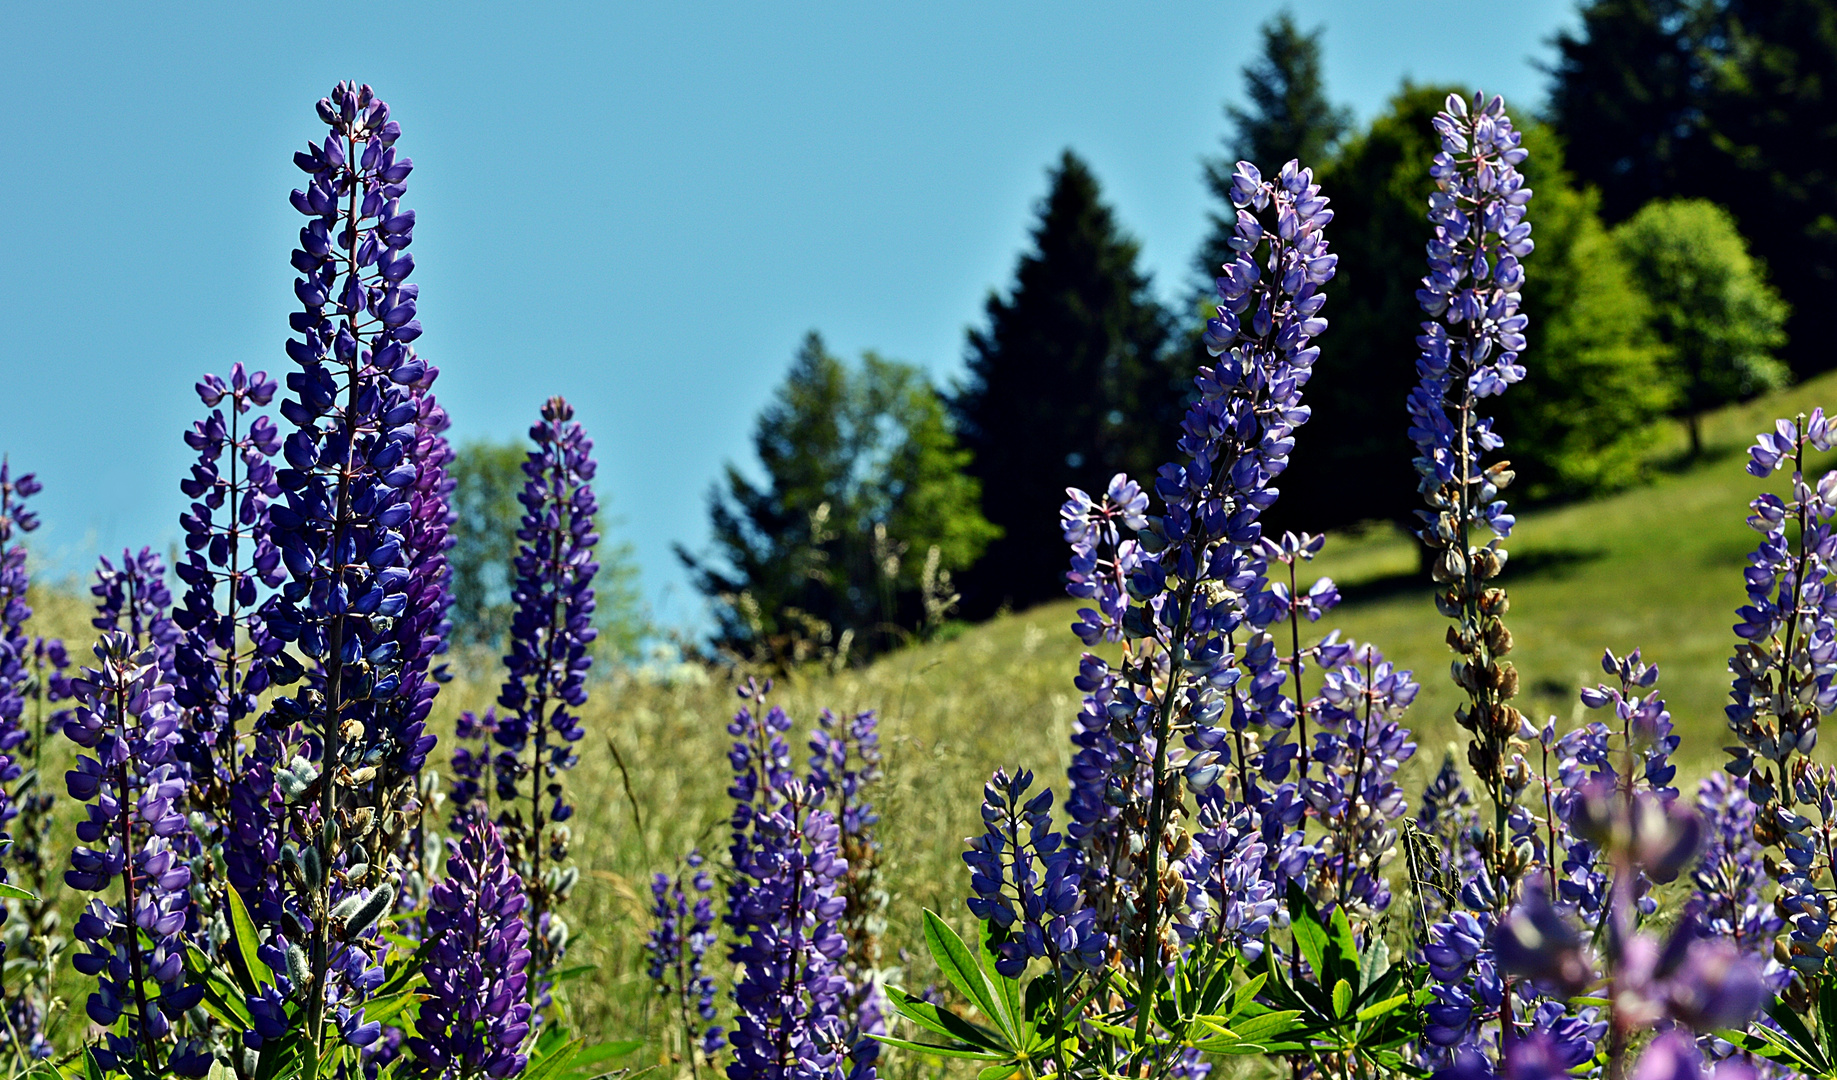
x=640, y=206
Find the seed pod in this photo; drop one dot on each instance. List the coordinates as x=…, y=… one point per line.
x=370, y=910
x=311, y=868
x=297, y=968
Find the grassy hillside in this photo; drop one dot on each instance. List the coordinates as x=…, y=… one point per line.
x=1657, y=568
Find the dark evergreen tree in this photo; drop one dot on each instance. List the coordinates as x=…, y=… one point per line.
x=1627, y=95
x=1068, y=385
x=832, y=554
x=1289, y=117
x=1773, y=116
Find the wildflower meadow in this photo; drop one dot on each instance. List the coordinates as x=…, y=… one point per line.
x=300, y=833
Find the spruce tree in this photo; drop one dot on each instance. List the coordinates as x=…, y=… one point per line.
x=1067, y=386
x=1289, y=117
x=863, y=478
x=1627, y=96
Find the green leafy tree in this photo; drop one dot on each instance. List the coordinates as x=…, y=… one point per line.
x=487, y=476
x=1711, y=304
x=1068, y=384
x=1289, y=117
x=834, y=552
x=1583, y=416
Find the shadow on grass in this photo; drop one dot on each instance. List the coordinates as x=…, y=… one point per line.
x=1683, y=461
x=1542, y=562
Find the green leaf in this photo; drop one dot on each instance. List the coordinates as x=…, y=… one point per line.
x=1374, y=963
x=954, y=960
x=555, y=1063
x=937, y=1051
x=1247, y=993
x=1266, y=1027
x=384, y=1009
x=1342, y=998
x=92, y=1069
x=943, y=1022
x=1373, y=1011
x=250, y=971
x=1304, y=923
x=1343, y=949
x=1794, y=1029
x=220, y=1071
x=999, y=1072
x=569, y=974
x=1827, y=1014
x=10, y=891
x=587, y=1063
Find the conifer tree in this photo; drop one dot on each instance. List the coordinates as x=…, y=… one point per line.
x=1067, y=385
x=1289, y=116
x=830, y=555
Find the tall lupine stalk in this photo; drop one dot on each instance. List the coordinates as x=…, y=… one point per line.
x=221, y=663
x=134, y=832
x=1783, y=687
x=28, y=668
x=546, y=685
x=420, y=635
x=845, y=762
x=338, y=528
x=682, y=913
x=1179, y=594
x=475, y=1019
x=15, y=645
x=1470, y=349
x=797, y=1011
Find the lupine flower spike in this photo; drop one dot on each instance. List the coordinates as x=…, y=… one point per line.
x=347, y=496
x=551, y=634
x=475, y=1018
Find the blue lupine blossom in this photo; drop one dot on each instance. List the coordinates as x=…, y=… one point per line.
x=346, y=497
x=845, y=761
x=221, y=663
x=790, y=1020
x=545, y=686
x=1784, y=667
x=1025, y=883
x=1189, y=586
x=475, y=1020
x=134, y=833
x=682, y=933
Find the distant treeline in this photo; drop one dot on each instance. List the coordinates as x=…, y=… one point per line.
x=1686, y=178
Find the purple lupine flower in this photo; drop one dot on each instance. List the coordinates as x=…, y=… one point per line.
x=338, y=526
x=221, y=660
x=421, y=633
x=845, y=761
x=1025, y=883
x=761, y=762
x=1175, y=593
x=1470, y=350
x=133, y=832
x=681, y=934
x=15, y=645
x=475, y=1019
x=133, y=599
x=1360, y=747
x=788, y=1000
x=545, y=686
x=1730, y=875
x=1784, y=667
x=470, y=795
